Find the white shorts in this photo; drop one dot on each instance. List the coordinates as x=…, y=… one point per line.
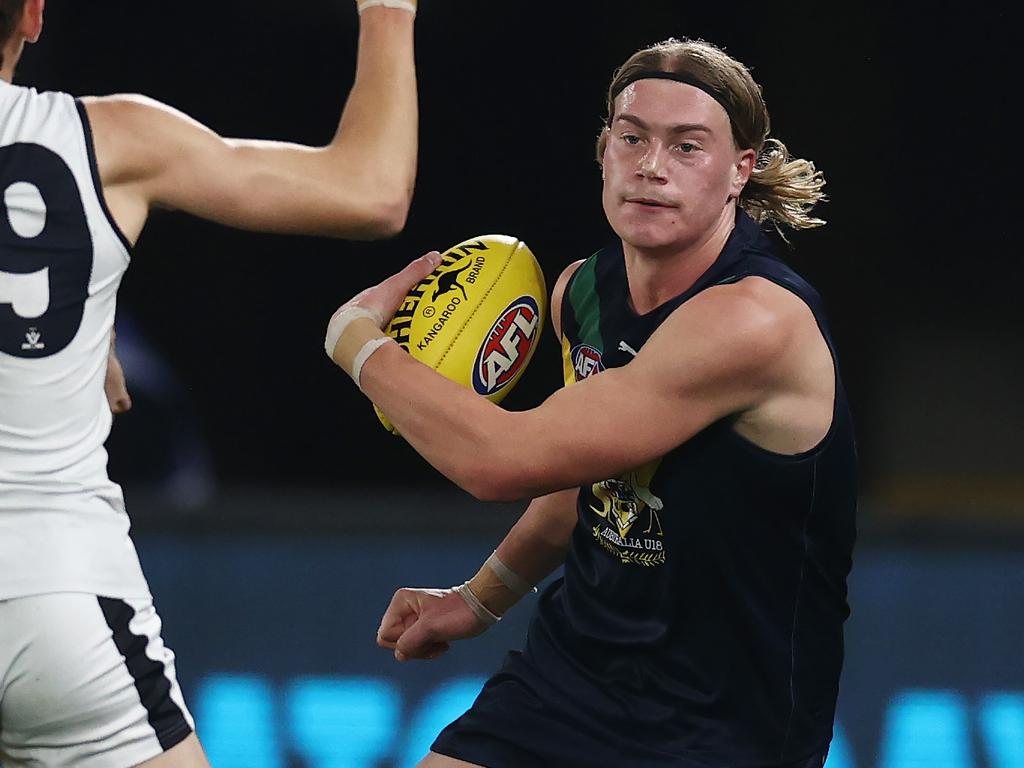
x=86, y=681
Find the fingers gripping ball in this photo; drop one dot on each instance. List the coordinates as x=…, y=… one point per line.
x=478, y=317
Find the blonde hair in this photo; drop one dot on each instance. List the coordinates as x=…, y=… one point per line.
x=782, y=190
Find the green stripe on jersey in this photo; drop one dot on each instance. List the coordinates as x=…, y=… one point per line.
x=586, y=305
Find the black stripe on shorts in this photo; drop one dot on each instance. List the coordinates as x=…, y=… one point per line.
x=152, y=684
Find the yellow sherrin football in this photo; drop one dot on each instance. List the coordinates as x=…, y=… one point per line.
x=478, y=317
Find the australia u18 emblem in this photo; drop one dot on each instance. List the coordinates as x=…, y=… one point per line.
x=621, y=504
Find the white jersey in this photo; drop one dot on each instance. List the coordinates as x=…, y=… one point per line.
x=63, y=525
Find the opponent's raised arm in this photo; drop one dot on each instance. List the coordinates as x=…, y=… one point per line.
x=359, y=186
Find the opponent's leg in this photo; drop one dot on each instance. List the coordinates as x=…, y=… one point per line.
x=87, y=682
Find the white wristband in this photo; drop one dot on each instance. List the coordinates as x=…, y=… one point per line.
x=515, y=583
x=479, y=609
x=403, y=5
x=340, y=322
x=364, y=354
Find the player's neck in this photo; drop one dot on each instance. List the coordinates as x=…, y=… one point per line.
x=657, y=275
x=12, y=52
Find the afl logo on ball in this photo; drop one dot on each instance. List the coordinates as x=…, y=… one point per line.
x=586, y=361
x=506, y=348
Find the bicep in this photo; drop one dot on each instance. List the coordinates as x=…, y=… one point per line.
x=171, y=160
x=262, y=186
x=688, y=375
x=606, y=424
x=267, y=186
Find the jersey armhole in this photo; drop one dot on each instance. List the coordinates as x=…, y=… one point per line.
x=97, y=185
x=837, y=386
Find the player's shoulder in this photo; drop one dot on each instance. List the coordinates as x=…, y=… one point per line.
x=132, y=131
x=123, y=109
x=756, y=298
x=135, y=116
x=754, y=314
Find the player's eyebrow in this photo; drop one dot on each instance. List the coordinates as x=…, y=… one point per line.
x=680, y=128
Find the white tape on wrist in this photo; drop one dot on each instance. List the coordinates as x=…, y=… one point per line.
x=364, y=354
x=340, y=322
x=403, y=5
x=479, y=609
x=515, y=583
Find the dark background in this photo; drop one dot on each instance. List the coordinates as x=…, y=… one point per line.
x=904, y=109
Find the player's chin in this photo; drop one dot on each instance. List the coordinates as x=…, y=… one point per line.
x=647, y=235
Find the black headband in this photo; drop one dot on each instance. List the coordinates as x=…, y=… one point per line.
x=715, y=93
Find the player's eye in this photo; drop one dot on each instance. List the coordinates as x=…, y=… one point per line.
x=630, y=138
x=686, y=147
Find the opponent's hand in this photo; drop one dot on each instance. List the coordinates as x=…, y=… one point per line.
x=114, y=385
x=421, y=623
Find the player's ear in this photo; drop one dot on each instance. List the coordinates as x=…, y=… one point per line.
x=742, y=169
x=31, y=26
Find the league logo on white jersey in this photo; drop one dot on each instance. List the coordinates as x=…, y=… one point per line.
x=32, y=340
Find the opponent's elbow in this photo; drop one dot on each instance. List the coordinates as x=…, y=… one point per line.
x=382, y=218
x=394, y=214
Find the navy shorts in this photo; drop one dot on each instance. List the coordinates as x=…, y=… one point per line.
x=522, y=720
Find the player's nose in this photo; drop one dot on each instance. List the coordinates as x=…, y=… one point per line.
x=652, y=162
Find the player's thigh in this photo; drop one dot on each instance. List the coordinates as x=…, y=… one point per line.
x=86, y=681
x=434, y=760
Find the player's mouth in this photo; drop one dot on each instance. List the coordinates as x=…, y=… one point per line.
x=650, y=202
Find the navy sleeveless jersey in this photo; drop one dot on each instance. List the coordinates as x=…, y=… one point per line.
x=700, y=615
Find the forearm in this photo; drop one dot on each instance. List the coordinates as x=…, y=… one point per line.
x=378, y=129
x=534, y=547
x=462, y=435
x=476, y=444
